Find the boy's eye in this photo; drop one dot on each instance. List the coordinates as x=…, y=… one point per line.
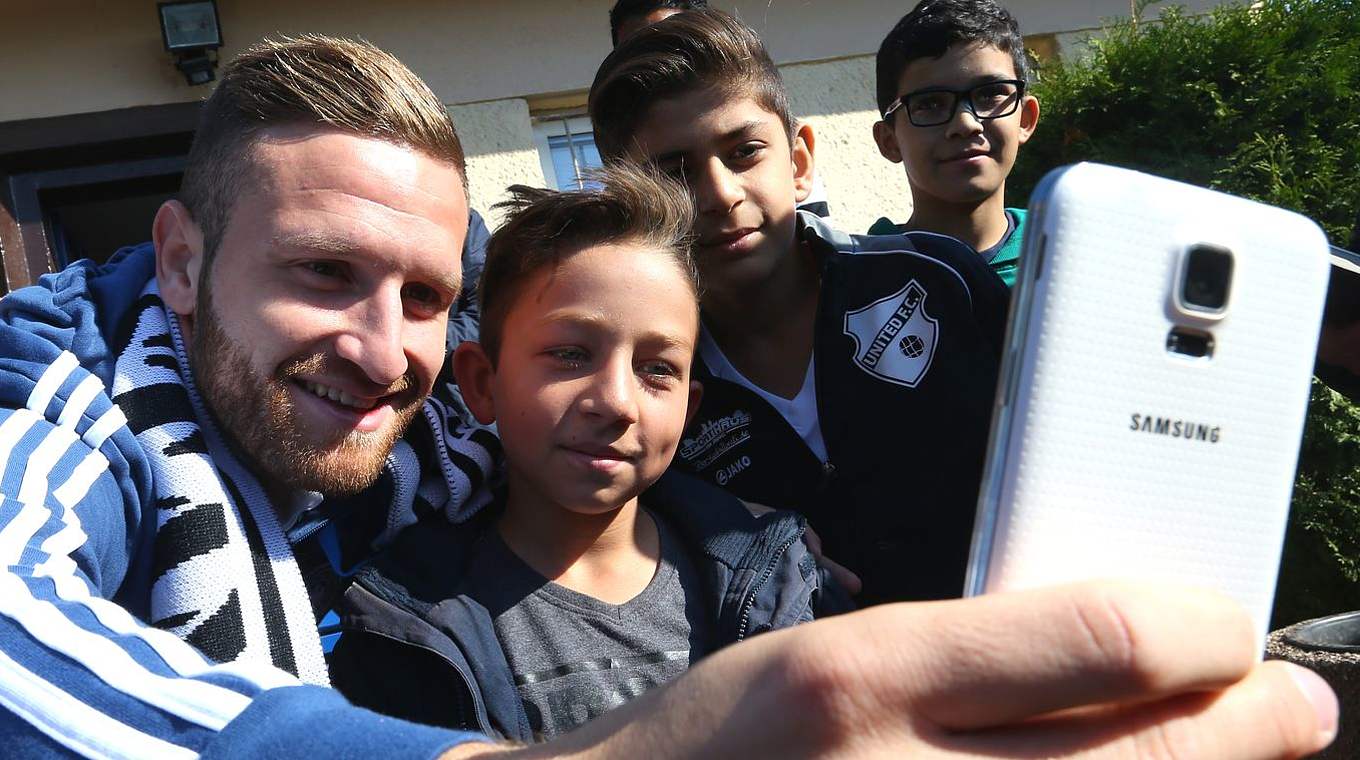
x=568, y=356
x=748, y=151
x=933, y=102
x=992, y=95
x=659, y=373
x=659, y=368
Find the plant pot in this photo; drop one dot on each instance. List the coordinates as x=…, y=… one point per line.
x=1330, y=647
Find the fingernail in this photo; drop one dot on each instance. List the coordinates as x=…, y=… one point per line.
x=1323, y=700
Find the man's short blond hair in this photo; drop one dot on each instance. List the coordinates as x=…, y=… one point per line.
x=326, y=81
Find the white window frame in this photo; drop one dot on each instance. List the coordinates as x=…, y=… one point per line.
x=556, y=125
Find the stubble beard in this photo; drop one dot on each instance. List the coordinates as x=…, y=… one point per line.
x=256, y=415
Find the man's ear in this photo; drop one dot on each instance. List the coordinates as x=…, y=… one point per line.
x=474, y=373
x=804, y=145
x=886, y=140
x=179, y=257
x=1029, y=117
x=696, y=394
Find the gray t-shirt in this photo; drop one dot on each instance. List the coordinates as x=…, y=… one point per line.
x=575, y=657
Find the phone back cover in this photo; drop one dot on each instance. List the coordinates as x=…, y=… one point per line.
x=1121, y=459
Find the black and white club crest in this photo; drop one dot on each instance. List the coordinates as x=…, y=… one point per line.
x=895, y=337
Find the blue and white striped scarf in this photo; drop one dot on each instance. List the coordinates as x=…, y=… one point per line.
x=225, y=577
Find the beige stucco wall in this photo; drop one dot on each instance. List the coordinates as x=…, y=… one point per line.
x=499, y=142
x=72, y=56
x=837, y=99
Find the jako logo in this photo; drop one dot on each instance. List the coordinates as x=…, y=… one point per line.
x=1186, y=429
x=732, y=470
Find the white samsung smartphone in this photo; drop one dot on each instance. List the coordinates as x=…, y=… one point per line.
x=1154, y=390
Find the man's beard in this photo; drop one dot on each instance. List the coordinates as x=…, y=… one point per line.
x=257, y=416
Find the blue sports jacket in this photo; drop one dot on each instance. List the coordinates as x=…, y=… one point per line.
x=79, y=671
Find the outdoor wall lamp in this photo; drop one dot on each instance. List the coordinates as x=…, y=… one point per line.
x=192, y=35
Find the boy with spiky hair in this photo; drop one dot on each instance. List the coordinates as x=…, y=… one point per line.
x=952, y=79
x=589, y=322
x=629, y=16
x=848, y=377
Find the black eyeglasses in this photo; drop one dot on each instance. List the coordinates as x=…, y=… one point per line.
x=937, y=105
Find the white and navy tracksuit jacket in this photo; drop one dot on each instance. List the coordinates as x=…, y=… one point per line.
x=79, y=671
x=907, y=350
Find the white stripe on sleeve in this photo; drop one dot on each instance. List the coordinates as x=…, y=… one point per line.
x=198, y=702
x=79, y=401
x=51, y=380
x=56, y=443
x=108, y=423
x=74, y=724
x=75, y=488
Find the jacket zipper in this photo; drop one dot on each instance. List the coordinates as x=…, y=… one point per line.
x=750, y=600
x=478, y=706
x=828, y=467
x=437, y=432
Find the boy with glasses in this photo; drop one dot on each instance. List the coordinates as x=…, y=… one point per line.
x=952, y=78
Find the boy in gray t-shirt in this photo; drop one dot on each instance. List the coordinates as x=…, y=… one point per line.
x=591, y=578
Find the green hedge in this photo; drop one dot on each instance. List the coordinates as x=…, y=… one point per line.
x=1259, y=101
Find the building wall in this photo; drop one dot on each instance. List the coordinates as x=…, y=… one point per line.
x=837, y=99
x=499, y=143
x=493, y=63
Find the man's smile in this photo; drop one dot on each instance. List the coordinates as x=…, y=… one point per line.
x=338, y=396
x=343, y=410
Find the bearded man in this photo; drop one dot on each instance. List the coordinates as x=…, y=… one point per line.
x=200, y=440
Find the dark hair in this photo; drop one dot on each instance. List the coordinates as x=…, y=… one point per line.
x=623, y=203
x=686, y=52
x=625, y=10
x=327, y=81
x=934, y=26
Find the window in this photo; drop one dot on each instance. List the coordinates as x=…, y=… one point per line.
x=566, y=148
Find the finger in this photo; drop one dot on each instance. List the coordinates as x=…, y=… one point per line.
x=842, y=575
x=1279, y=711
x=1001, y=658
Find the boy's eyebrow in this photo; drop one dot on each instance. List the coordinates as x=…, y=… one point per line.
x=670, y=341
x=741, y=130
x=976, y=81
x=601, y=322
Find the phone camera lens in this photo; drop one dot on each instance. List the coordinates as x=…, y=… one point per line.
x=1208, y=278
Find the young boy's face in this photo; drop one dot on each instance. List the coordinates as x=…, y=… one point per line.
x=747, y=179
x=963, y=161
x=591, y=389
